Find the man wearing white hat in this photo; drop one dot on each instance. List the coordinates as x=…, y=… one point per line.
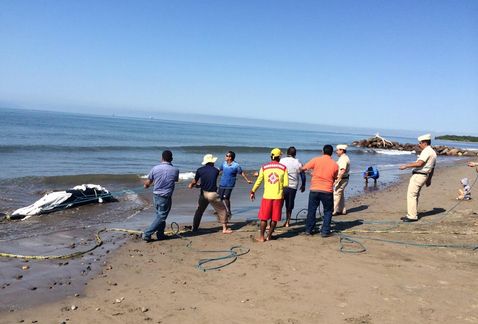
x=206, y=176
x=342, y=180
x=422, y=174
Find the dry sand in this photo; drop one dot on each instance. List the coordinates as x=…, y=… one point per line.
x=297, y=279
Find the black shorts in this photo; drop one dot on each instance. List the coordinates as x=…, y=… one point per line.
x=289, y=198
x=224, y=193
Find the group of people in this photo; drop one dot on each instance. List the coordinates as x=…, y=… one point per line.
x=281, y=177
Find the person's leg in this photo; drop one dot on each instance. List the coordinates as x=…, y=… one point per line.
x=271, y=230
x=202, y=205
x=328, y=204
x=311, y=211
x=344, y=210
x=263, y=226
x=276, y=215
x=162, y=206
x=222, y=192
x=288, y=210
x=227, y=201
x=220, y=209
x=264, y=215
x=416, y=183
x=338, y=196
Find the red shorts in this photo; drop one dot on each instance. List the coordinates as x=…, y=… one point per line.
x=271, y=208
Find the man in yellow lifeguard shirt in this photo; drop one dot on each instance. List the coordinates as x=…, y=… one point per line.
x=275, y=178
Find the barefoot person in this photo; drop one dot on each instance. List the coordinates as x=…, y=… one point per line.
x=206, y=176
x=230, y=169
x=342, y=180
x=293, y=170
x=275, y=178
x=163, y=176
x=422, y=173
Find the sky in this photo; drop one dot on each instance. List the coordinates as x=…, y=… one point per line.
x=409, y=65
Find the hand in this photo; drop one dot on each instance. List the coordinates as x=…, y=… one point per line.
x=190, y=186
x=403, y=167
x=302, y=188
x=472, y=164
x=252, y=195
x=249, y=181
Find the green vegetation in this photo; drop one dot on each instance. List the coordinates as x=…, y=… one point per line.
x=458, y=138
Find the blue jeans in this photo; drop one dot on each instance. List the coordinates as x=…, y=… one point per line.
x=163, y=206
x=327, y=199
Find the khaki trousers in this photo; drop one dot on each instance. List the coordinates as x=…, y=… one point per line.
x=206, y=198
x=417, y=181
x=339, y=196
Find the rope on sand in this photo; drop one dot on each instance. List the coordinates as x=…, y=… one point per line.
x=352, y=239
x=231, y=254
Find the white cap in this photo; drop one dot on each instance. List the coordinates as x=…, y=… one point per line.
x=208, y=158
x=341, y=147
x=426, y=137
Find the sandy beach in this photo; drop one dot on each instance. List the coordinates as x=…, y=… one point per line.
x=294, y=278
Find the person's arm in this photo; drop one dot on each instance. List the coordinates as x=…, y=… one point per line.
x=147, y=183
x=309, y=165
x=192, y=184
x=194, y=181
x=258, y=182
x=416, y=164
x=243, y=174
x=303, y=180
x=339, y=176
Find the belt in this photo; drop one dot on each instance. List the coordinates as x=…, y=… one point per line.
x=418, y=172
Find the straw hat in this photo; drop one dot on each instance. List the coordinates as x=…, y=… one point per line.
x=208, y=158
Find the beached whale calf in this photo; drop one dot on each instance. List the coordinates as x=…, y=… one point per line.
x=59, y=200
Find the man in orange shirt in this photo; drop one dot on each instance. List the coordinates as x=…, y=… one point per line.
x=325, y=172
x=275, y=178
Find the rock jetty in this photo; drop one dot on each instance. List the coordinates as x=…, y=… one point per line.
x=378, y=142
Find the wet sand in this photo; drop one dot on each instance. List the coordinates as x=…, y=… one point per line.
x=293, y=279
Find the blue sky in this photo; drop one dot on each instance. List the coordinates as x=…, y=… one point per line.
x=390, y=64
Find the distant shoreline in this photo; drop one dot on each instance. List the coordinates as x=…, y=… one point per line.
x=458, y=138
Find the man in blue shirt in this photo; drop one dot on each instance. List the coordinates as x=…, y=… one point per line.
x=230, y=169
x=163, y=176
x=206, y=176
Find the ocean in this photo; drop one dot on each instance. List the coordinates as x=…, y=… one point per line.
x=44, y=151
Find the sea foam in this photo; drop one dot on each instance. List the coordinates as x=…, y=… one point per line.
x=394, y=152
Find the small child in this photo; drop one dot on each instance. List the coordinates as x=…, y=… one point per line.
x=465, y=193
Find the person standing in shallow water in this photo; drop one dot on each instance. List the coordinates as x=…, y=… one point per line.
x=163, y=176
x=275, y=178
x=230, y=169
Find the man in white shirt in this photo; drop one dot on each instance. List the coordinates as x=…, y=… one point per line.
x=293, y=168
x=342, y=180
x=422, y=174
